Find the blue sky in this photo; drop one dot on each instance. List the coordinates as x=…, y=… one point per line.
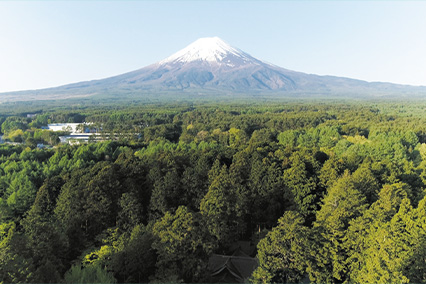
x=51, y=43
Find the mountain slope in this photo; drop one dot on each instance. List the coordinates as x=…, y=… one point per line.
x=212, y=65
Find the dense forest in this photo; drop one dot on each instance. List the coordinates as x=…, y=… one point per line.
x=326, y=192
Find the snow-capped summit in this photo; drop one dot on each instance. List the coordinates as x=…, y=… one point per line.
x=212, y=50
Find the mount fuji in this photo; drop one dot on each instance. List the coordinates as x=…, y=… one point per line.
x=212, y=66
x=210, y=63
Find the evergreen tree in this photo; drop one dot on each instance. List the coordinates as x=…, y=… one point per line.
x=300, y=178
x=342, y=203
x=283, y=254
x=182, y=247
x=219, y=211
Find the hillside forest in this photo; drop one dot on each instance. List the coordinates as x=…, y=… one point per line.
x=325, y=192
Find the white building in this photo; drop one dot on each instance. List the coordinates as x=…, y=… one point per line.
x=76, y=136
x=70, y=127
